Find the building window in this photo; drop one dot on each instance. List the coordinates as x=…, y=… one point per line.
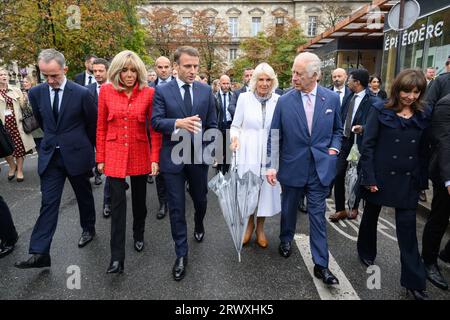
x=256, y=26
x=233, y=27
x=187, y=23
x=279, y=21
x=233, y=54
x=312, y=26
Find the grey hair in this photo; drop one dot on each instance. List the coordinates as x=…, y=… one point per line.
x=48, y=55
x=314, y=63
x=266, y=69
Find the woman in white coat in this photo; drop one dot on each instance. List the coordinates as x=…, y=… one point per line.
x=249, y=134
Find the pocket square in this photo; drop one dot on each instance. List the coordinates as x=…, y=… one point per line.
x=328, y=111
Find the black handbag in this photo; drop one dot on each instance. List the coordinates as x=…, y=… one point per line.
x=29, y=122
x=6, y=143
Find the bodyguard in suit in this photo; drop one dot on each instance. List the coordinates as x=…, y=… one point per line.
x=354, y=117
x=86, y=77
x=187, y=105
x=224, y=118
x=100, y=69
x=339, y=77
x=248, y=72
x=164, y=75
x=440, y=175
x=67, y=114
x=308, y=124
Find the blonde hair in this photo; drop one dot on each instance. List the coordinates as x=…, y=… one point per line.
x=31, y=80
x=119, y=62
x=263, y=68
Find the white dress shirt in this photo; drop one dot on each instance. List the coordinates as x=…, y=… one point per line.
x=341, y=93
x=60, y=93
x=86, y=78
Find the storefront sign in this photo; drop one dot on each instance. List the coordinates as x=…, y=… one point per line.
x=415, y=36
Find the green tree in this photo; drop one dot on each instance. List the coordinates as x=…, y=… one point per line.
x=277, y=46
x=102, y=27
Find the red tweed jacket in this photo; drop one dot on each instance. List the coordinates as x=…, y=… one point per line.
x=122, y=141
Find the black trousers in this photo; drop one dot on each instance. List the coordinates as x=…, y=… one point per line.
x=8, y=232
x=119, y=213
x=161, y=189
x=436, y=225
x=412, y=268
x=224, y=163
x=339, y=181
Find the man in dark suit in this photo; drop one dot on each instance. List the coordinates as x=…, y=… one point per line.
x=248, y=72
x=354, y=117
x=309, y=129
x=164, y=75
x=440, y=176
x=185, y=108
x=100, y=69
x=339, y=77
x=86, y=77
x=224, y=119
x=67, y=115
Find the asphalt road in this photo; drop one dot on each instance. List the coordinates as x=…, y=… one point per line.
x=213, y=271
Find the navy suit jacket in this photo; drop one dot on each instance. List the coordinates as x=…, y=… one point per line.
x=233, y=101
x=297, y=148
x=93, y=90
x=168, y=106
x=74, y=132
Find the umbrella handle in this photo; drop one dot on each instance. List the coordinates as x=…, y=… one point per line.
x=234, y=161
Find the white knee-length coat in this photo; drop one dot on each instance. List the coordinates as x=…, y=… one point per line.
x=248, y=127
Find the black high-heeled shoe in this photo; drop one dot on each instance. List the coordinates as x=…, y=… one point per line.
x=115, y=267
x=418, y=294
x=12, y=177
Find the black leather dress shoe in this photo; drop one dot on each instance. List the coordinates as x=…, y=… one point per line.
x=115, y=267
x=199, y=236
x=85, y=238
x=162, y=211
x=106, y=211
x=285, y=249
x=435, y=277
x=179, y=268
x=8, y=246
x=35, y=261
x=418, y=294
x=325, y=274
x=366, y=262
x=138, y=245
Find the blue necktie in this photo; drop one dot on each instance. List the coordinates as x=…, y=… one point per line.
x=187, y=99
x=225, y=108
x=56, y=104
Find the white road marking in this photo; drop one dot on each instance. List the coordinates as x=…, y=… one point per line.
x=343, y=291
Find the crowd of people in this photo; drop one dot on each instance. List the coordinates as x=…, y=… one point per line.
x=121, y=119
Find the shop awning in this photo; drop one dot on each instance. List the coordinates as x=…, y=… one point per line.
x=366, y=22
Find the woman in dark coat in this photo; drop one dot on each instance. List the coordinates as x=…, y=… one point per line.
x=393, y=171
x=375, y=88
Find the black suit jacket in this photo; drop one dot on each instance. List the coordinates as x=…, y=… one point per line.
x=93, y=90
x=439, y=88
x=348, y=94
x=219, y=108
x=154, y=84
x=233, y=101
x=440, y=142
x=81, y=78
x=73, y=133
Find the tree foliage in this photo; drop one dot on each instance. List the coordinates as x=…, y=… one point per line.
x=101, y=27
x=277, y=46
x=334, y=12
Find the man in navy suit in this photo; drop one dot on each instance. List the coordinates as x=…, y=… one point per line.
x=164, y=75
x=67, y=115
x=309, y=129
x=100, y=70
x=354, y=117
x=248, y=72
x=184, y=107
x=86, y=77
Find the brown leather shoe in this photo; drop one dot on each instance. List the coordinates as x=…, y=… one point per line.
x=335, y=217
x=261, y=239
x=353, y=214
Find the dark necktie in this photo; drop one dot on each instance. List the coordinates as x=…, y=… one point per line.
x=187, y=99
x=348, y=118
x=90, y=80
x=56, y=104
x=225, y=108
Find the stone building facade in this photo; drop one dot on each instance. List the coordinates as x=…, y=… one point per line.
x=246, y=18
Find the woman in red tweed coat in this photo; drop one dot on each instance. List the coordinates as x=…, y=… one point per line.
x=123, y=149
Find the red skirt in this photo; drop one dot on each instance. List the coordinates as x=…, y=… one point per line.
x=11, y=126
